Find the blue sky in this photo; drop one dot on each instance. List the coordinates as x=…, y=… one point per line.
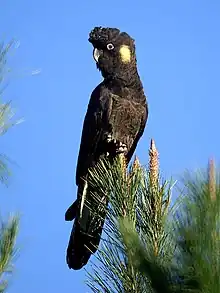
x=178, y=49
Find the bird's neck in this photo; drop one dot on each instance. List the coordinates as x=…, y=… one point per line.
x=125, y=78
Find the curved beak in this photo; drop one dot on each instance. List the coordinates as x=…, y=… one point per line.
x=96, y=54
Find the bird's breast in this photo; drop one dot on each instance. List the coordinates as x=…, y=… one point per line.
x=125, y=118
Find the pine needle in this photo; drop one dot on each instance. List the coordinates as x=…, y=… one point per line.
x=9, y=228
x=135, y=196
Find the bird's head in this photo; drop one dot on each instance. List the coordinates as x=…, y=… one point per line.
x=114, y=51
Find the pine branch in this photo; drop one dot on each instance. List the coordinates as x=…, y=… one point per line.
x=197, y=231
x=147, y=264
x=149, y=246
x=134, y=195
x=8, y=235
x=8, y=229
x=7, y=113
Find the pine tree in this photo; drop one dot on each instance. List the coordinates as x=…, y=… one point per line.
x=9, y=227
x=150, y=245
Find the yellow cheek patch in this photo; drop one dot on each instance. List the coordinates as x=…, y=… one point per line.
x=125, y=53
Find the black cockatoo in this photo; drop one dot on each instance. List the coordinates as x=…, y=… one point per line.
x=114, y=122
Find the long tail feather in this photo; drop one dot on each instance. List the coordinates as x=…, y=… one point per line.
x=87, y=229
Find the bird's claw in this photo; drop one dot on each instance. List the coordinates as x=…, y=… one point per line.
x=119, y=147
x=109, y=138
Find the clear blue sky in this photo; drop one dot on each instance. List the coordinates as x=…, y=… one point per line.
x=178, y=49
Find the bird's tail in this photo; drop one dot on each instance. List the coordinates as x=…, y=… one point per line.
x=87, y=228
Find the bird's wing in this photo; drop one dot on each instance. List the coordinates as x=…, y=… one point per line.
x=144, y=117
x=91, y=135
x=94, y=126
x=109, y=113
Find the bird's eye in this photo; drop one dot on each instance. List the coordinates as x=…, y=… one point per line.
x=110, y=46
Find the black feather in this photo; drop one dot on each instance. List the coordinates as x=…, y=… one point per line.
x=117, y=109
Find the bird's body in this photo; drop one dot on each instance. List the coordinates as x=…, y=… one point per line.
x=114, y=122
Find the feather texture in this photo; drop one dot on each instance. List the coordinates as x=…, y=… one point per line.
x=115, y=120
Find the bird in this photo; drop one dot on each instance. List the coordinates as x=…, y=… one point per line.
x=115, y=120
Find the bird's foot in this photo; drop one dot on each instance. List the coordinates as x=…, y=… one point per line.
x=121, y=148
x=109, y=138
x=117, y=146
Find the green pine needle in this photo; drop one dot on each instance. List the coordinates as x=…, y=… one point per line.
x=8, y=235
x=131, y=198
x=8, y=229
